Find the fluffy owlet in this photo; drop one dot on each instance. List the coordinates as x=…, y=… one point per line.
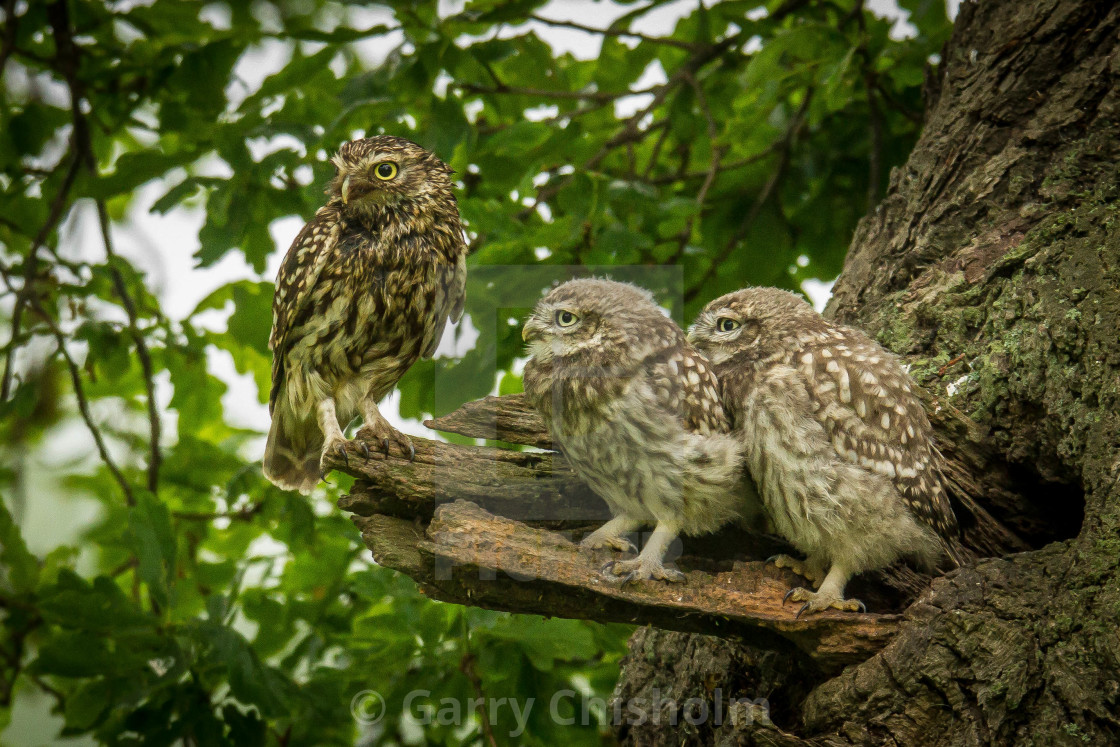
x=365, y=290
x=636, y=411
x=835, y=438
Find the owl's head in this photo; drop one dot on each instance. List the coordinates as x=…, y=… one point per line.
x=384, y=169
x=757, y=322
x=594, y=318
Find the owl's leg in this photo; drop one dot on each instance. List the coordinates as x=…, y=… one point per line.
x=829, y=595
x=376, y=427
x=334, y=442
x=810, y=568
x=650, y=562
x=610, y=535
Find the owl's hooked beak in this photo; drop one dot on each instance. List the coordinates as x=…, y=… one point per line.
x=531, y=331
x=346, y=190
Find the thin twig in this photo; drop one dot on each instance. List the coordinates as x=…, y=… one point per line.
x=11, y=27
x=244, y=514
x=944, y=369
x=875, y=115
x=155, y=458
x=668, y=41
x=31, y=269
x=897, y=105
x=713, y=164
x=83, y=401
x=656, y=154
x=605, y=96
x=723, y=167
x=631, y=131
x=466, y=666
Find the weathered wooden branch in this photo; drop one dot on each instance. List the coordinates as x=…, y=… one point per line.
x=469, y=556
x=495, y=528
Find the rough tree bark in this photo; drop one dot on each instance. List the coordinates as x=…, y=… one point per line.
x=993, y=266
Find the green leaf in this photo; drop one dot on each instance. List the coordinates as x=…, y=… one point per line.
x=154, y=542
x=19, y=569
x=85, y=705
x=250, y=680
x=101, y=606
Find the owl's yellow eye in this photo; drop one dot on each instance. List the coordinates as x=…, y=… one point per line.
x=385, y=170
x=566, y=318
x=727, y=324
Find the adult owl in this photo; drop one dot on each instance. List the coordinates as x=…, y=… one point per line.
x=636, y=411
x=835, y=438
x=364, y=291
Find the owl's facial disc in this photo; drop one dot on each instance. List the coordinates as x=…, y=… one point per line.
x=376, y=177
x=555, y=331
x=717, y=333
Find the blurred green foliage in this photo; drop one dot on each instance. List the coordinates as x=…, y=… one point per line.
x=742, y=147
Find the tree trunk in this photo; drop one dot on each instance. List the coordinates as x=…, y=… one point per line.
x=993, y=266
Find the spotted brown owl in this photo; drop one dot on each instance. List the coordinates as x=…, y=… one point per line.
x=637, y=413
x=835, y=438
x=364, y=291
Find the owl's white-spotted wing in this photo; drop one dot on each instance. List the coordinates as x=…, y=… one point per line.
x=455, y=282
x=870, y=411
x=686, y=385
x=311, y=251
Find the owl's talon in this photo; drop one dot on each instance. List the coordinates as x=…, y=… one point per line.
x=591, y=542
x=802, y=568
x=818, y=602
x=641, y=569
x=365, y=449
x=385, y=446
x=334, y=451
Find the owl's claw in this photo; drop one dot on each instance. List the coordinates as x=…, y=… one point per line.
x=387, y=437
x=818, y=602
x=623, y=572
x=803, y=568
x=363, y=447
x=591, y=542
x=333, y=450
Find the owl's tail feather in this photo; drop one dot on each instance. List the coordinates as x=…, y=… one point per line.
x=291, y=456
